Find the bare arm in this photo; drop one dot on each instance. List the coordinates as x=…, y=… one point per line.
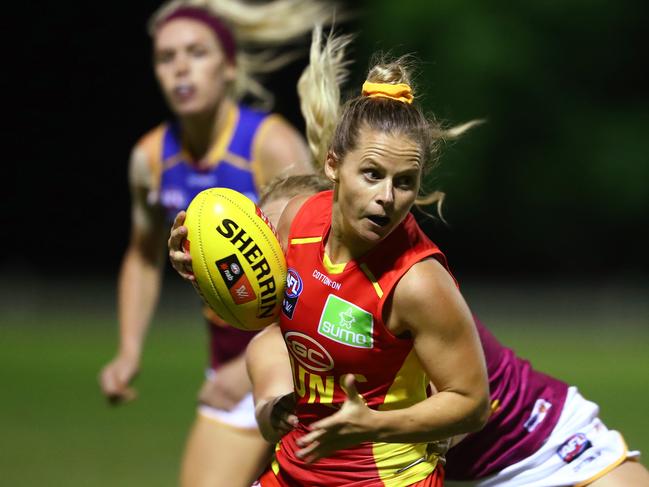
x=138, y=284
x=427, y=305
x=272, y=383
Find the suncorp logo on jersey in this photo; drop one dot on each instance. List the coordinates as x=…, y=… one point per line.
x=346, y=323
x=308, y=352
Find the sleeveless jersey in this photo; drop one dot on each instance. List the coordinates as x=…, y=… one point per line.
x=176, y=180
x=526, y=406
x=332, y=323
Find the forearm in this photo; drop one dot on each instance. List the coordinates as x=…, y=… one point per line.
x=444, y=415
x=138, y=290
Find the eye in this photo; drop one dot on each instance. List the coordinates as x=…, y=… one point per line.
x=371, y=174
x=198, y=51
x=164, y=57
x=405, y=182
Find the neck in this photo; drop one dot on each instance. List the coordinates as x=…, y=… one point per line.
x=199, y=131
x=339, y=247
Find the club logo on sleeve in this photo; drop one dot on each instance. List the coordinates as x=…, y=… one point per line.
x=235, y=279
x=346, y=323
x=573, y=447
x=292, y=292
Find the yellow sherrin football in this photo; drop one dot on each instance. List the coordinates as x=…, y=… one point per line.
x=237, y=260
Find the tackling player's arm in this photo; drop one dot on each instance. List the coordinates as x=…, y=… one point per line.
x=138, y=283
x=272, y=383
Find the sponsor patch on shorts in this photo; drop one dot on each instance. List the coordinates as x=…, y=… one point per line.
x=573, y=447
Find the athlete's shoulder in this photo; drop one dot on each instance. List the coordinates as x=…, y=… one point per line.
x=146, y=156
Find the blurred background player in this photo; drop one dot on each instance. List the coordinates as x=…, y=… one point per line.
x=203, y=71
x=541, y=432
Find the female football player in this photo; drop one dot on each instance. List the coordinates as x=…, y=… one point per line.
x=214, y=141
x=371, y=311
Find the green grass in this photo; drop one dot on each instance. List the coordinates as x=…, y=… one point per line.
x=56, y=430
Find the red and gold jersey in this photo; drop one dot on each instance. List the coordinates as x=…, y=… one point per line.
x=332, y=323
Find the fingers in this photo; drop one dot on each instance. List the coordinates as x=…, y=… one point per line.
x=116, y=391
x=178, y=247
x=349, y=386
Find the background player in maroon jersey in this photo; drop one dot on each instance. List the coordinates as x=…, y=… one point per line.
x=203, y=73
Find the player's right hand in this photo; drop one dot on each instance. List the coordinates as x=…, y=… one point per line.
x=276, y=417
x=115, y=379
x=180, y=259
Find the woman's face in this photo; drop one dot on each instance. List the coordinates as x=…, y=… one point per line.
x=191, y=67
x=377, y=184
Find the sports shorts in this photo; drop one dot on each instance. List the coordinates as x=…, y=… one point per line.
x=240, y=416
x=579, y=450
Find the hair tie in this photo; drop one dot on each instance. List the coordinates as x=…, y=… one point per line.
x=399, y=92
x=215, y=24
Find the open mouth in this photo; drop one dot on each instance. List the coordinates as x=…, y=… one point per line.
x=184, y=92
x=381, y=221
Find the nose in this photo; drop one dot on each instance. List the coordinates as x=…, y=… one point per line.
x=385, y=196
x=181, y=65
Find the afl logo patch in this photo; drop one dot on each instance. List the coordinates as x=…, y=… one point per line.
x=573, y=447
x=292, y=292
x=308, y=352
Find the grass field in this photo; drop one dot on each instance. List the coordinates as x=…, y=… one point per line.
x=57, y=431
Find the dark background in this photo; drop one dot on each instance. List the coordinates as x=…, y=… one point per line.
x=556, y=183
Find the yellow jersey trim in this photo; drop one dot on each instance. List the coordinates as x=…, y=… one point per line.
x=305, y=240
x=218, y=149
x=366, y=270
x=331, y=267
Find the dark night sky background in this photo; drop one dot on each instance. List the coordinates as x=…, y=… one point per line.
x=556, y=183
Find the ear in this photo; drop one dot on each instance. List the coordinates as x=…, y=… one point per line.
x=331, y=166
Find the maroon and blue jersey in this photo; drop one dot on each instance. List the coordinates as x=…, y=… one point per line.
x=525, y=407
x=177, y=178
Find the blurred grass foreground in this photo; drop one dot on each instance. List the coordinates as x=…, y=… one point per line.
x=54, y=336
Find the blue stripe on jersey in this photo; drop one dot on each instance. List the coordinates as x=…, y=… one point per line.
x=181, y=182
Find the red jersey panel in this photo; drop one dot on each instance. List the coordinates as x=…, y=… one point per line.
x=332, y=325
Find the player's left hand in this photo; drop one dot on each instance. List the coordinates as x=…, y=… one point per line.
x=349, y=426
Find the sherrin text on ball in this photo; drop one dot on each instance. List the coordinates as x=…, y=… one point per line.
x=237, y=260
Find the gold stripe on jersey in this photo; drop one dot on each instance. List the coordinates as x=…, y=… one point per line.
x=236, y=161
x=305, y=240
x=218, y=149
x=404, y=463
x=274, y=465
x=366, y=270
x=331, y=267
